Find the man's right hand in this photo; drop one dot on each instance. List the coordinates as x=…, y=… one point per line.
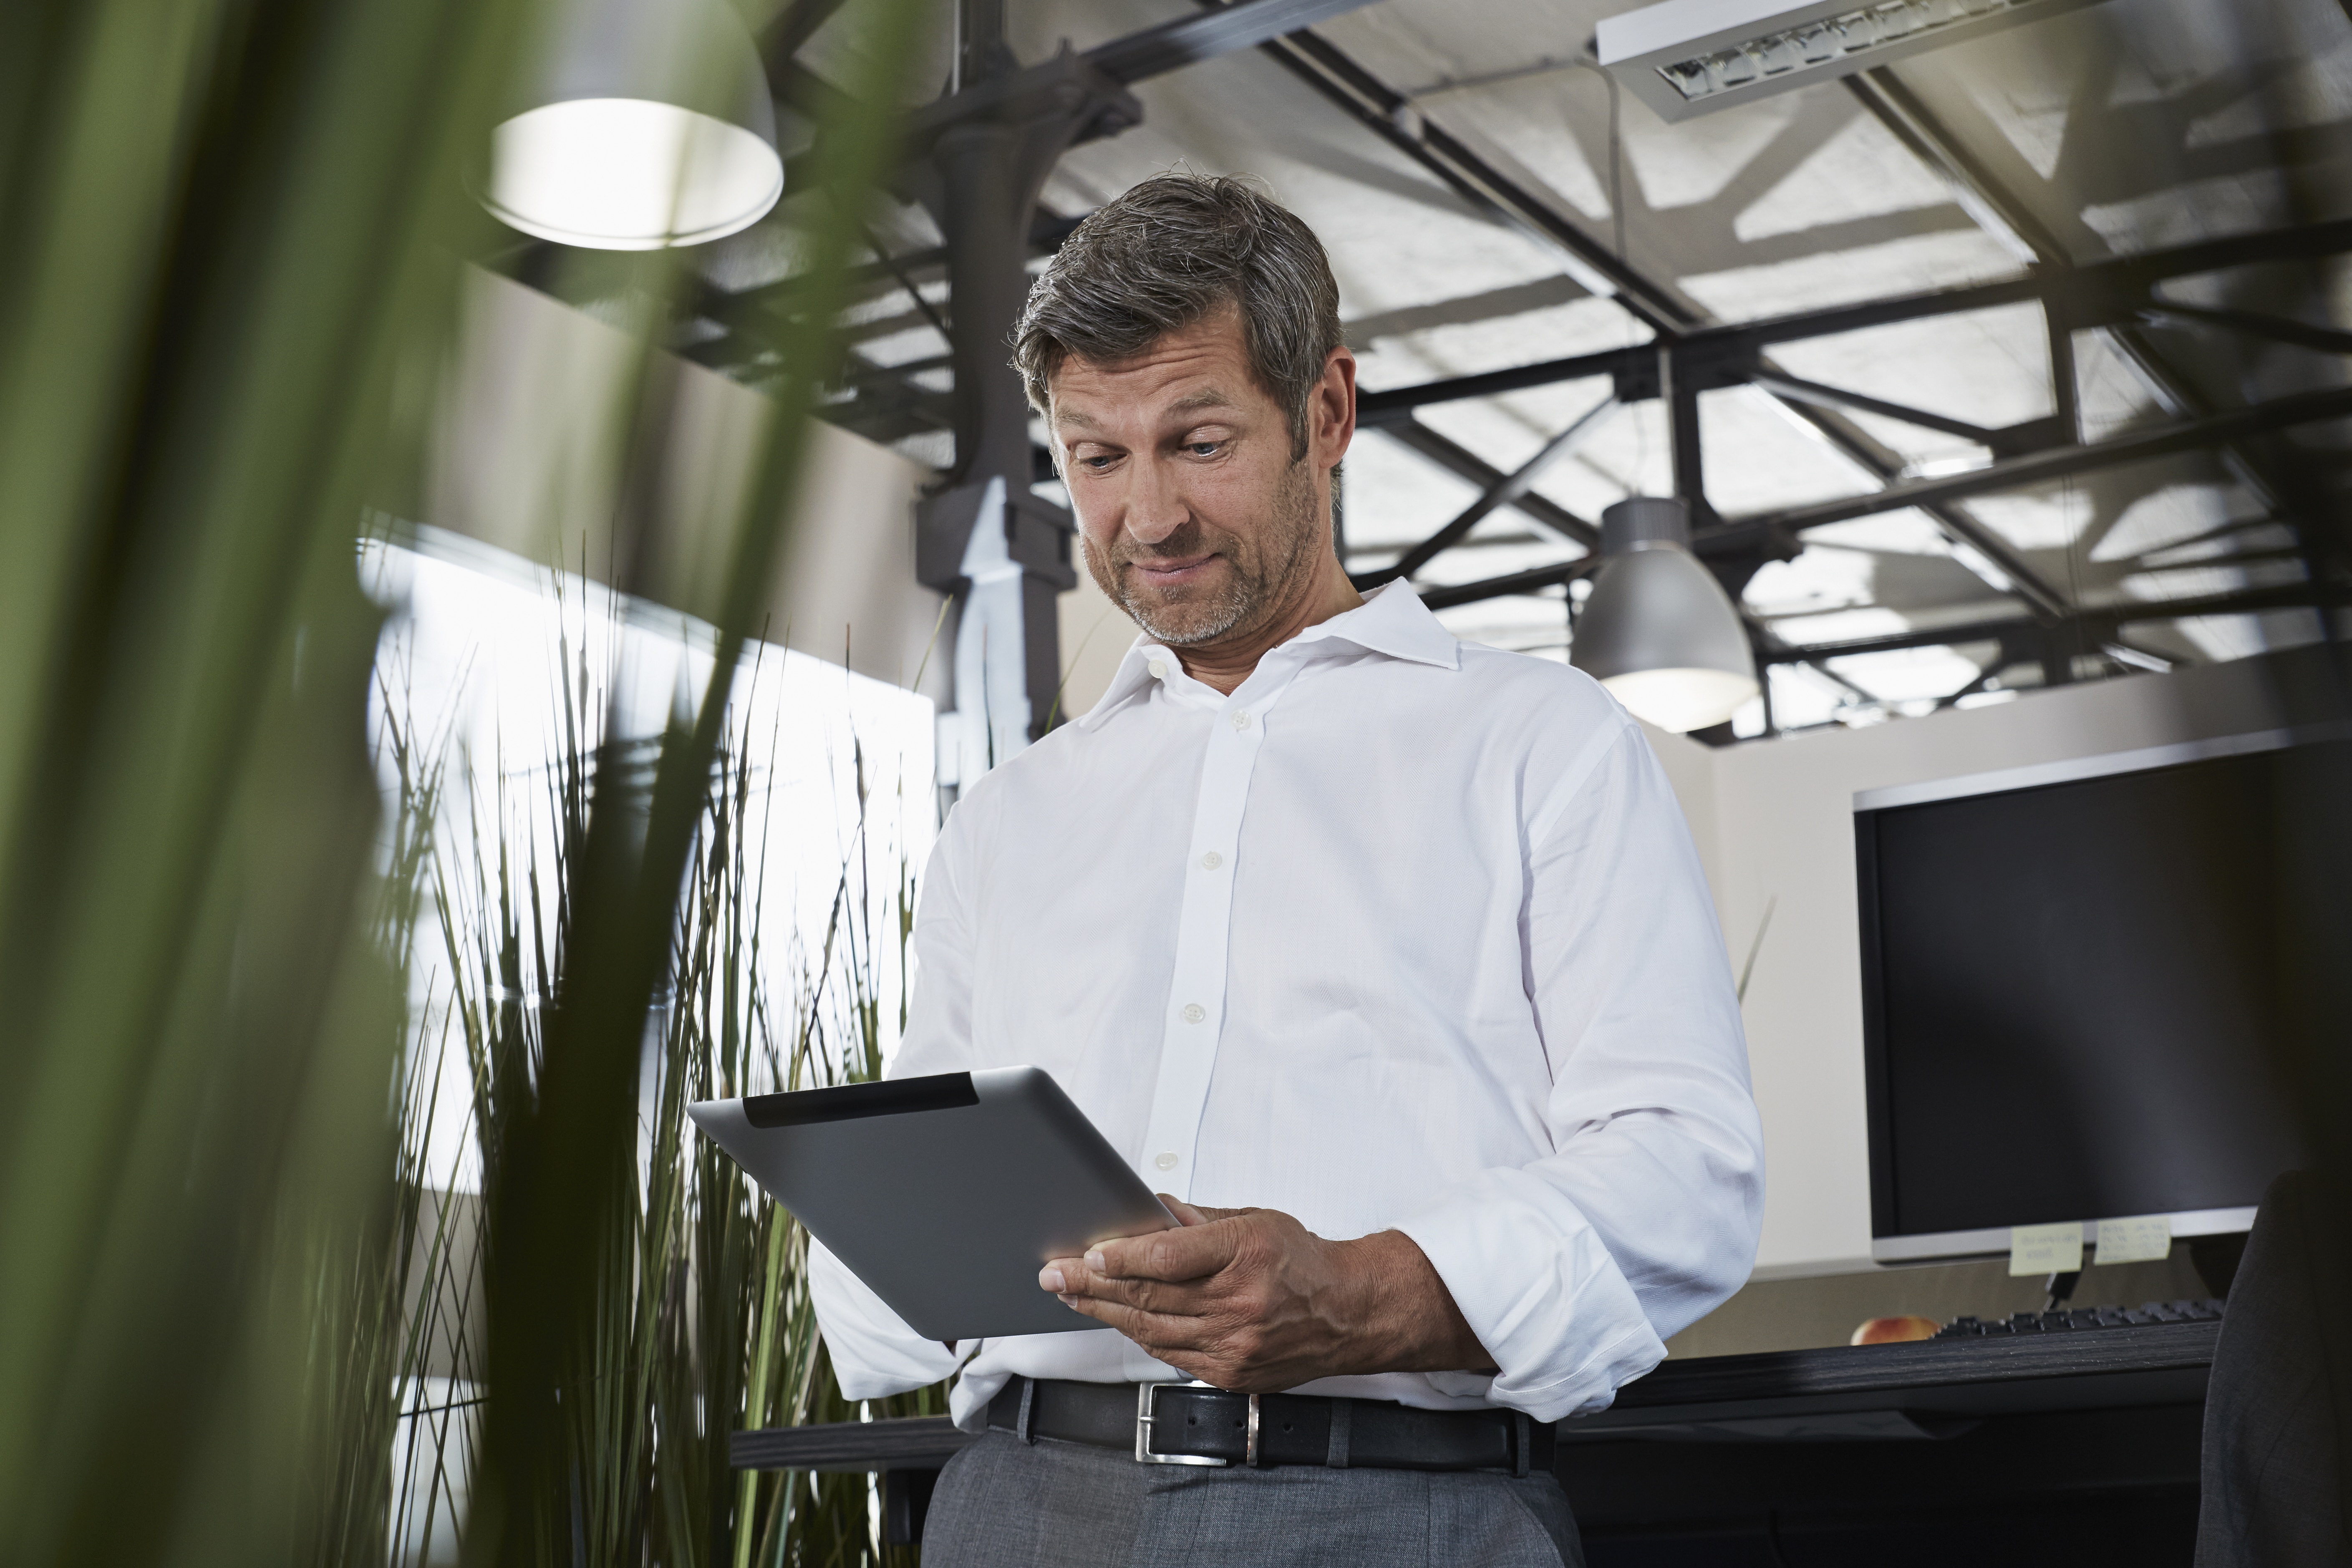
x=1251, y=1300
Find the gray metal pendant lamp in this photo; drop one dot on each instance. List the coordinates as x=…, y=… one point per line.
x=1658, y=630
x=650, y=124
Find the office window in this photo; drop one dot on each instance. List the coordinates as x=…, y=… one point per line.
x=478, y=663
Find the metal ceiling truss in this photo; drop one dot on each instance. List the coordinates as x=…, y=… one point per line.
x=1689, y=359
x=2285, y=486
x=1074, y=98
x=2082, y=632
x=2097, y=294
x=1392, y=116
x=2103, y=294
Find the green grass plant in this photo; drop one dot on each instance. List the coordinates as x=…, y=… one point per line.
x=233, y=238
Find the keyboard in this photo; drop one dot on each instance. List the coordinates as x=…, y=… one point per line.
x=2080, y=1318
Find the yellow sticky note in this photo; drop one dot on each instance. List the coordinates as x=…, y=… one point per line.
x=2135, y=1240
x=2045, y=1249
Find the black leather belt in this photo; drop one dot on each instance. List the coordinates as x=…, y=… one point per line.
x=1193, y=1423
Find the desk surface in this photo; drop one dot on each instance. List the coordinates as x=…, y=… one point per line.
x=1925, y=1389
x=1932, y=1389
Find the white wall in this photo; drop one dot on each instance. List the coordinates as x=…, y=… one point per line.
x=1774, y=820
x=532, y=417
x=1095, y=634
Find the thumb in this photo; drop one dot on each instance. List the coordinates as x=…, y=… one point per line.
x=1185, y=1213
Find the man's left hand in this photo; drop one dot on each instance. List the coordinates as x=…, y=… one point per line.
x=1253, y=1301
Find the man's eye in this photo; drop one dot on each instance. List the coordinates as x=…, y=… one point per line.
x=1098, y=461
x=1203, y=448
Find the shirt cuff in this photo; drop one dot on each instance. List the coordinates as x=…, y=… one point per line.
x=1538, y=1286
x=873, y=1351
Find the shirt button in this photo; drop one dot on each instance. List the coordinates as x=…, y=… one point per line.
x=1211, y=860
x=1241, y=718
x=1166, y=1162
x=1195, y=1011
x=1159, y=670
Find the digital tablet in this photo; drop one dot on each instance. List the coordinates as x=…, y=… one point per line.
x=945, y=1194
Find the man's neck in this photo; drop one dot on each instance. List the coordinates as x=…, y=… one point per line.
x=1226, y=663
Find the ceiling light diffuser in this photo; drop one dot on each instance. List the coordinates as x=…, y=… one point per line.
x=1687, y=57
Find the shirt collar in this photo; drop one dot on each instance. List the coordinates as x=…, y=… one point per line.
x=1391, y=621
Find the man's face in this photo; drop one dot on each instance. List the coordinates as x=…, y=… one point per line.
x=1193, y=515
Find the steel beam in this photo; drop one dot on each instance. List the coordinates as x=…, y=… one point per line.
x=1396, y=403
x=1447, y=595
x=2138, y=445
x=1836, y=398
x=1503, y=491
x=2302, y=335
x=1047, y=232
x=1463, y=463
x=1188, y=40
x=2245, y=602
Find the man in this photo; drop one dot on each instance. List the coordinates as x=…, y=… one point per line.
x=1385, y=956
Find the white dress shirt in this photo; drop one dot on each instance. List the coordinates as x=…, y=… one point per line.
x=1406, y=933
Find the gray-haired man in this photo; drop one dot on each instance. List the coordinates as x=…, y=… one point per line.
x=1398, y=939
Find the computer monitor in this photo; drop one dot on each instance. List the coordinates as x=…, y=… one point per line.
x=2072, y=991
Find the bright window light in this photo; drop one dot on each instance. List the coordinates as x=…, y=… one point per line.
x=473, y=663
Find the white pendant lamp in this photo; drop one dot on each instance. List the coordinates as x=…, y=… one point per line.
x=1658, y=629
x=651, y=126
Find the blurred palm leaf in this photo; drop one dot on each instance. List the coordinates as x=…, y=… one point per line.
x=232, y=230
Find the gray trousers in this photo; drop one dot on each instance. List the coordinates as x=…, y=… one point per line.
x=1004, y=1503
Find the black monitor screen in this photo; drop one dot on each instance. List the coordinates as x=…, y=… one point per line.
x=2073, y=995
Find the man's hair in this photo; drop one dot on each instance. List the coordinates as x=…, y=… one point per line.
x=1174, y=249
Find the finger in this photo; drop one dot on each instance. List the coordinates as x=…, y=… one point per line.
x=1185, y=1213
x=1195, y=1252
x=1069, y=1276
x=1151, y=1330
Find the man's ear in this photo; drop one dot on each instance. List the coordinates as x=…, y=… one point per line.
x=1335, y=409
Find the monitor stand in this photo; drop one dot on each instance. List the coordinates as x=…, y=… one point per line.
x=2061, y=1286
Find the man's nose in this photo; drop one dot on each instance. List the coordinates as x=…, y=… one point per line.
x=1154, y=508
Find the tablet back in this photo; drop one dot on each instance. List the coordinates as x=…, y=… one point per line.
x=943, y=1193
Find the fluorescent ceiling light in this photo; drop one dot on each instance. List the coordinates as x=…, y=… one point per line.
x=1684, y=58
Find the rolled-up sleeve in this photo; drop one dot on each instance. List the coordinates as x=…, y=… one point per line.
x=1573, y=1269
x=873, y=1351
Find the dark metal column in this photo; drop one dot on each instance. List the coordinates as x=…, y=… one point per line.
x=1679, y=396
x=1003, y=552
x=986, y=220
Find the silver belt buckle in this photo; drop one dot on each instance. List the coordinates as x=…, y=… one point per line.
x=1145, y=1414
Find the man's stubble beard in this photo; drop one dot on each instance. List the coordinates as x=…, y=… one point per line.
x=1261, y=575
